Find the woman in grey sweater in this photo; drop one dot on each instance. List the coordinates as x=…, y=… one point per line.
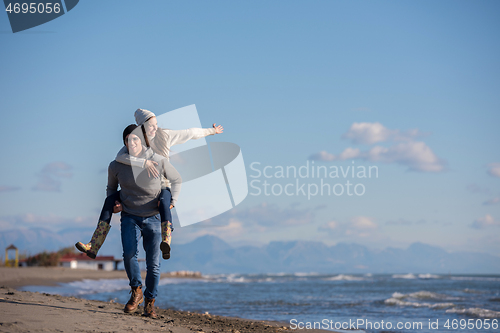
x=160, y=140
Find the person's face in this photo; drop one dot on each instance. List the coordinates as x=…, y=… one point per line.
x=151, y=126
x=133, y=143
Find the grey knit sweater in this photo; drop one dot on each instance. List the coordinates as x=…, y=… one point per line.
x=139, y=192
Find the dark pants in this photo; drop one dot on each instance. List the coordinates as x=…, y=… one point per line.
x=164, y=208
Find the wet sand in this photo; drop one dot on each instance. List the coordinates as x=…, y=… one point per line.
x=22, y=311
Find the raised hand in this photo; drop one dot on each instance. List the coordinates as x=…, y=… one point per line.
x=218, y=129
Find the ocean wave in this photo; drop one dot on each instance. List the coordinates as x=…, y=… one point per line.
x=472, y=291
x=404, y=276
x=423, y=294
x=472, y=278
x=238, y=278
x=342, y=277
x=300, y=274
x=181, y=280
x=401, y=302
x=97, y=286
x=428, y=276
x=476, y=312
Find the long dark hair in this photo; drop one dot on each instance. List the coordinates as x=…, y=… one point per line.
x=159, y=144
x=145, y=135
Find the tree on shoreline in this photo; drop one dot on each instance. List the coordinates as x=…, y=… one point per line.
x=49, y=258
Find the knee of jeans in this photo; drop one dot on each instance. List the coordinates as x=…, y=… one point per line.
x=155, y=268
x=129, y=254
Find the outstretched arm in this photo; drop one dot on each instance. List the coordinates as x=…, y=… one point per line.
x=177, y=137
x=124, y=158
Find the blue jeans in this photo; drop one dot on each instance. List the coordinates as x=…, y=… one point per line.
x=132, y=229
x=164, y=207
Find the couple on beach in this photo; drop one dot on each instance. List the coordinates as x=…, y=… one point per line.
x=149, y=188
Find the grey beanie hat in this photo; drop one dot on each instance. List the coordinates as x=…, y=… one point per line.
x=141, y=116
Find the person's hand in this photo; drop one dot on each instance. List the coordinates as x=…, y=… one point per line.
x=171, y=206
x=117, y=207
x=218, y=129
x=152, y=171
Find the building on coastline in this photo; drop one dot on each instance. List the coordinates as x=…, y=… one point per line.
x=81, y=261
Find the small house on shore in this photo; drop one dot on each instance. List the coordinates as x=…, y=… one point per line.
x=81, y=261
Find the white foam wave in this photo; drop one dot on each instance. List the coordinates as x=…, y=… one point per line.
x=300, y=274
x=472, y=291
x=233, y=278
x=342, y=277
x=471, y=278
x=428, y=276
x=400, y=302
x=423, y=294
x=180, y=280
x=476, y=312
x=97, y=286
x=404, y=276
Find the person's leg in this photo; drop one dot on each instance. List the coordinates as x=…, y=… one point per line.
x=107, y=208
x=166, y=222
x=131, y=234
x=151, y=232
x=102, y=229
x=164, y=204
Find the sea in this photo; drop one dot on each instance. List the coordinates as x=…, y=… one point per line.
x=334, y=302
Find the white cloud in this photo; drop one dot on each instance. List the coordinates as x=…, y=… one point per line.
x=363, y=223
x=417, y=156
x=329, y=226
x=494, y=169
x=370, y=133
x=322, y=156
x=271, y=215
x=358, y=226
x=349, y=153
x=262, y=217
x=233, y=229
x=51, y=221
x=50, y=177
x=493, y=201
x=485, y=222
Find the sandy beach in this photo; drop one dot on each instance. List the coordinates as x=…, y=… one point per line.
x=23, y=311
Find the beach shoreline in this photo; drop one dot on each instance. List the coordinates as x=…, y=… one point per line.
x=52, y=276
x=24, y=311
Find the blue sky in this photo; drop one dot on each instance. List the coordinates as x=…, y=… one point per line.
x=412, y=85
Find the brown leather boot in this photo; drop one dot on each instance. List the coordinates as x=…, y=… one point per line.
x=149, y=308
x=134, y=301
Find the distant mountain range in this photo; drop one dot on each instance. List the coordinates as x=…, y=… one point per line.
x=211, y=255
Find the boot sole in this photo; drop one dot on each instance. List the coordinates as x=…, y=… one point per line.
x=88, y=253
x=165, y=249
